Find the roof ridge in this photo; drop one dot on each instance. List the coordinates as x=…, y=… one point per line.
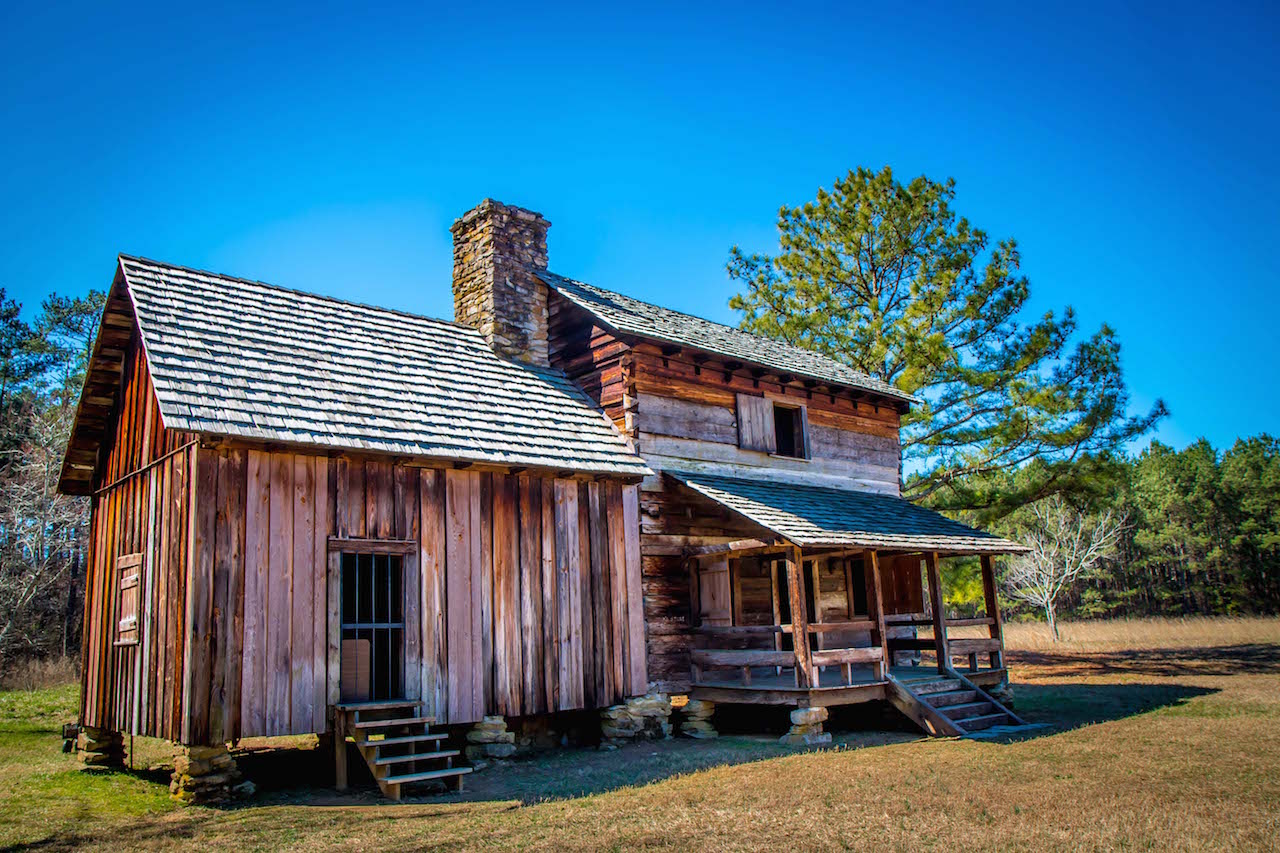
x=138, y=259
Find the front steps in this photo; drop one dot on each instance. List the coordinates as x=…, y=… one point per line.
x=397, y=744
x=949, y=705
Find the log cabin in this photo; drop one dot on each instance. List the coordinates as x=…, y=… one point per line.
x=311, y=516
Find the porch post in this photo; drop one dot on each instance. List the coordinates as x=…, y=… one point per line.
x=777, y=609
x=939, y=614
x=993, y=609
x=799, y=619
x=339, y=749
x=881, y=638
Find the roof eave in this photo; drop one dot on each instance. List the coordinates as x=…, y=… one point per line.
x=76, y=461
x=629, y=473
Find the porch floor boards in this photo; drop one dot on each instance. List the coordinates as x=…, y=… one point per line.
x=767, y=687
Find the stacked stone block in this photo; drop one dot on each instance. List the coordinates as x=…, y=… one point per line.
x=206, y=774
x=806, y=728
x=489, y=739
x=642, y=718
x=696, y=719
x=100, y=748
x=496, y=248
x=1002, y=693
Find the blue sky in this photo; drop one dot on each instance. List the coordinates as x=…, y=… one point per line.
x=1132, y=154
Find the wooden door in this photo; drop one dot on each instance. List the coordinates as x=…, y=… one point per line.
x=715, y=598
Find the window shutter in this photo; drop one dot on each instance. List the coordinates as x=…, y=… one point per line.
x=755, y=424
x=129, y=570
x=802, y=440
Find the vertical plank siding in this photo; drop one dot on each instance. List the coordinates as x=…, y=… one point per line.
x=509, y=580
x=141, y=505
x=269, y=522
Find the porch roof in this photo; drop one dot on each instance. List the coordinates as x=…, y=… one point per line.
x=820, y=516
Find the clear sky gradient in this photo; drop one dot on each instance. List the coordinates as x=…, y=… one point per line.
x=1132, y=151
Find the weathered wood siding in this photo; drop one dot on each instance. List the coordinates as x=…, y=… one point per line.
x=593, y=357
x=141, y=506
x=672, y=519
x=685, y=418
x=518, y=589
x=681, y=412
x=901, y=584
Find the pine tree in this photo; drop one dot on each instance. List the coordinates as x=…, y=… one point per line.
x=885, y=277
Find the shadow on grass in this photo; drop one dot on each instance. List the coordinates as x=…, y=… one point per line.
x=1062, y=706
x=563, y=773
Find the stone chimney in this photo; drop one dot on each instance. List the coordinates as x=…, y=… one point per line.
x=496, y=247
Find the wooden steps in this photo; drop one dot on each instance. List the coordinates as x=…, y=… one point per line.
x=452, y=772
x=952, y=697
x=963, y=710
x=391, y=724
x=380, y=759
x=374, y=706
x=397, y=745
x=422, y=738
x=985, y=721
x=949, y=705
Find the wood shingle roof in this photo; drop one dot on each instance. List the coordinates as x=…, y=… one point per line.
x=819, y=516
x=634, y=317
x=244, y=359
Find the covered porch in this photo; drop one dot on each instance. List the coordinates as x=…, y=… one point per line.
x=841, y=604
x=780, y=624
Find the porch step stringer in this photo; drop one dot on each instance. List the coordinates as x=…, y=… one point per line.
x=924, y=714
x=398, y=745
x=949, y=705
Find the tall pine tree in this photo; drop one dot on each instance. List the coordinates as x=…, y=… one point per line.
x=885, y=277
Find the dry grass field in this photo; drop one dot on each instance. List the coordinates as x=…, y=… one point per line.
x=1160, y=735
x=1118, y=635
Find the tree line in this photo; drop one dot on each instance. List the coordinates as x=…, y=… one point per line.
x=43, y=535
x=1202, y=533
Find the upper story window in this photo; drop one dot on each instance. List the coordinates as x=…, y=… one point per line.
x=773, y=427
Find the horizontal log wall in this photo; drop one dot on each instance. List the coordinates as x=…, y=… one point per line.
x=674, y=518
x=518, y=589
x=141, y=506
x=592, y=356
x=686, y=417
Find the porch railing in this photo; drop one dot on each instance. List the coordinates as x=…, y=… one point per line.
x=744, y=660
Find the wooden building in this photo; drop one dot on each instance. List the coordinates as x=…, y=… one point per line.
x=305, y=509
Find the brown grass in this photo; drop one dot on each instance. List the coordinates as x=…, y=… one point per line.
x=1150, y=746
x=1142, y=634
x=37, y=674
